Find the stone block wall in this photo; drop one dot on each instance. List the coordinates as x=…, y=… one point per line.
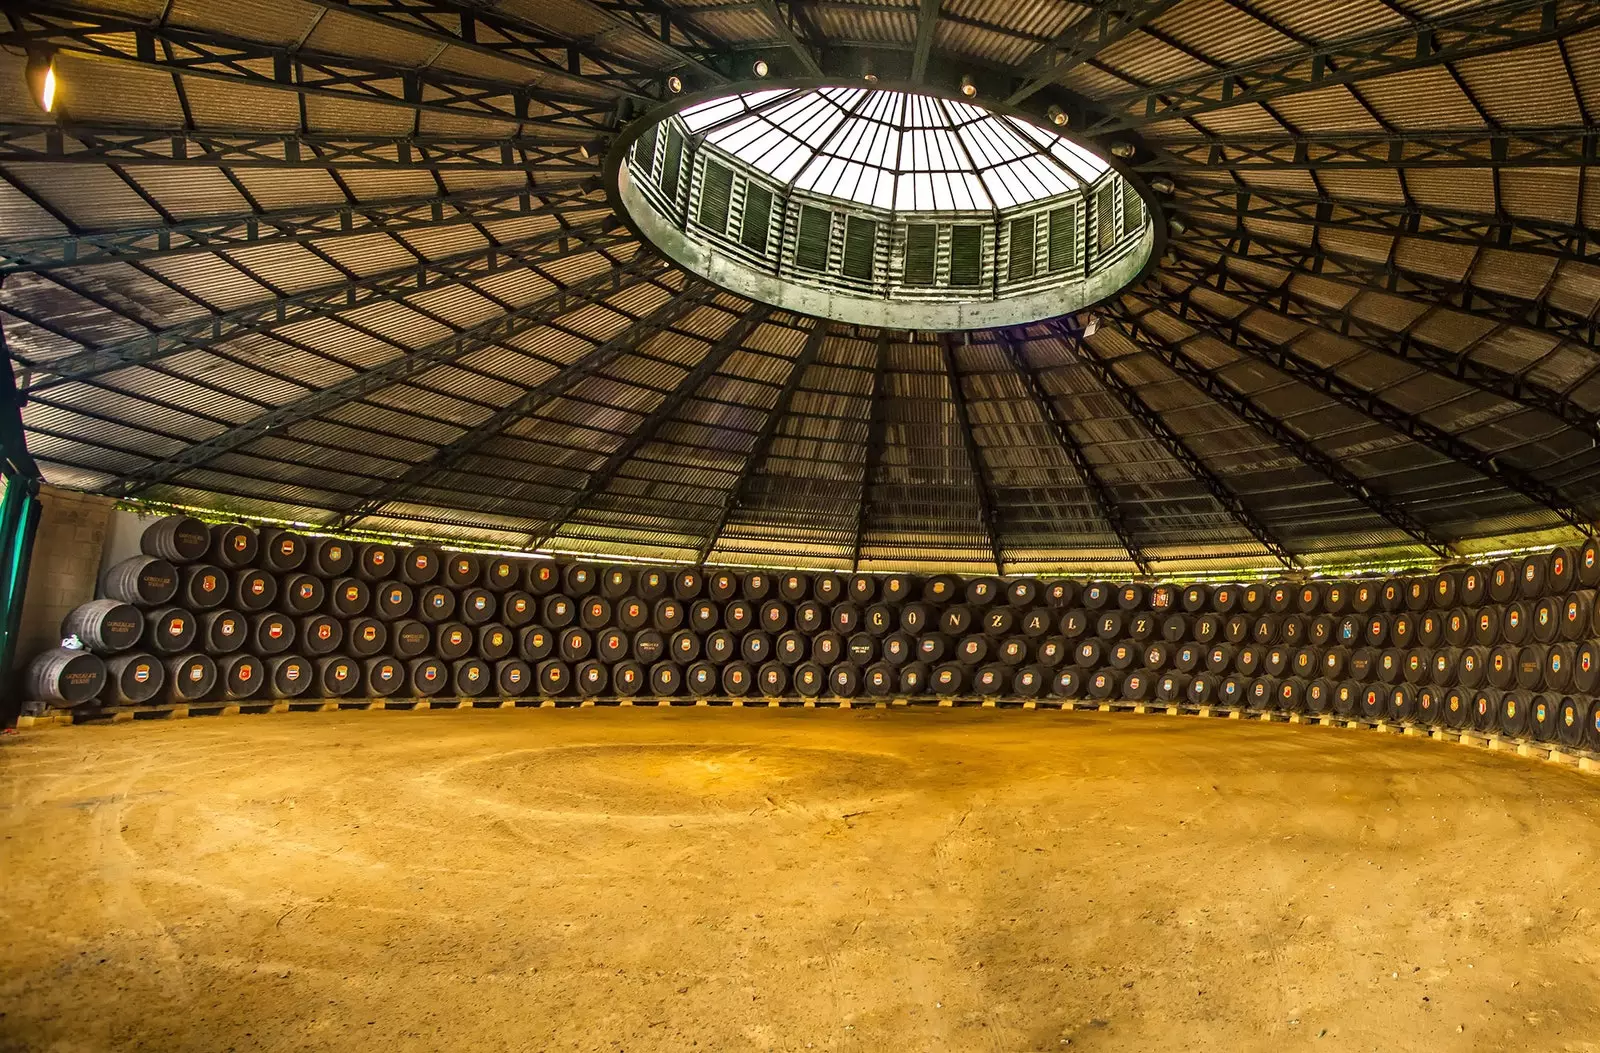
x=66, y=564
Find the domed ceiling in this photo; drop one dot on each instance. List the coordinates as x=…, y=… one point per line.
x=358, y=264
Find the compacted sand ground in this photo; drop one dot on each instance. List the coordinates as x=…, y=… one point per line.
x=713, y=879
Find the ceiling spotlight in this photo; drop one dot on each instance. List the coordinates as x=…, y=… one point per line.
x=1122, y=150
x=592, y=149
x=870, y=78
x=761, y=69
x=1176, y=225
x=1057, y=115
x=675, y=84
x=42, y=79
x=1161, y=185
x=968, y=88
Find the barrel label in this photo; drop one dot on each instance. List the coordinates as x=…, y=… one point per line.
x=514, y=677
x=258, y=586
x=241, y=542
x=335, y=552
x=244, y=671
x=352, y=593
x=275, y=630
x=420, y=561
x=473, y=672
x=1569, y=715
x=1529, y=572
x=141, y=673
x=197, y=672
x=395, y=596
x=324, y=630
x=455, y=636
x=208, y=583
x=481, y=602
x=175, y=627
x=228, y=627
x=1544, y=615
x=291, y=672
x=464, y=567
x=430, y=672
x=307, y=590
x=379, y=557
x=519, y=605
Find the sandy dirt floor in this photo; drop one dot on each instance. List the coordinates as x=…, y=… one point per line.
x=711, y=879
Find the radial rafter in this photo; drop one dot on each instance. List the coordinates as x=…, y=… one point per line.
x=872, y=453
x=291, y=69
x=1525, y=234
x=327, y=300
x=1516, y=146
x=1210, y=382
x=1105, y=504
x=1107, y=22
x=982, y=484
x=1106, y=374
x=1282, y=356
x=1488, y=30
x=730, y=341
x=400, y=368
x=469, y=442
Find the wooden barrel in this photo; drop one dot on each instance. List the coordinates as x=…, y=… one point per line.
x=1485, y=708
x=240, y=676
x=513, y=678
x=1559, y=662
x=1418, y=593
x=793, y=587
x=668, y=614
x=1061, y=594
x=683, y=646
x=376, y=561
x=1291, y=695
x=518, y=608
x=330, y=557
x=827, y=647
x=1363, y=664
x=998, y=622
x=1195, y=598
x=1501, y=669
x=1577, y=615
x=810, y=616
x=409, y=638
x=956, y=620
x=687, y=584
x=972, y=650
x=1021, y=593
x=1261, y=694
x=176, y=539
x=1512, y=713
x=1572, y=720
x=917, y=618
x=133, y=678
x=863, y=589
x=168, y=630
x=202, y=586
x=320, y=634
x=1541, y=717
x=1418, y=666
x=534, y=644
x=1013, y=651
x=1098, y=595
x=666, y=678
x=540, y=577
x=557, y=611
x=844, y=681
x=365, y=636
x=1319, y=695
x=1088, y=653
x=426, y=677
x=233, y=546
x=1547, y=619
x=704, y=615
x=991, y=681
x=1586, y=668
x=937, y=590
x=1172, y=687
x=462, y=569
x=1587, y=564
x=772, y=679
x=577, y=579
x=66, y=676
x=792, y=647
x=738, y=679
x=495, y=642
x=282, y=550
x=1389, y=664
x=393, y=600
x=436, y=603
x=383, y=677
x=145, y=581
x=289, y=676
x=594, y=613
x=1486, y=625
x=590, y=678
x=480, y=605
x=773, y=616
x=1067, y=683
x=301, y=594
x=898, y=648
x=616, y=582
x=105, y=626
x=649, y=646
x=471, y=678
x=1516, y=626
x=1029, y=681
x=1503, y=581
x=948, y=679
x=628, y=679
x=190, y=677
x=271, y=633
x=756, y=647
x=574, y=645
x=253, y=590
x=420, y=565
x=1253, y=598
x=1202, y=690
x=612, y=645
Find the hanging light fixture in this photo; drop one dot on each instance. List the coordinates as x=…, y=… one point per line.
x=761, y=69
x=1123, y=150
x=1057, y=115
x=1161, y=185
x=968, y=88
x=42, y=79
x=675, y=84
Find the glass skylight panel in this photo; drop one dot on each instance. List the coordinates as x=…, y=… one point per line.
x=893, y=150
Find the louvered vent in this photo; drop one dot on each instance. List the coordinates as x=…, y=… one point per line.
x=1132, y=208
x=922, y=253
x=673, y=163
x=757, y=217
x=1105, y=220
x=1021, y=259
x=860, y=243
x=1063, y=239
x=716, y=194
x=811, y=247
x=966, y=256
x=644, y=150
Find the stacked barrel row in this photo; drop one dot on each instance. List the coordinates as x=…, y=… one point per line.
x=224, y=612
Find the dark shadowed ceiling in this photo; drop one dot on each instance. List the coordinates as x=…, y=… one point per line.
x=351, y=263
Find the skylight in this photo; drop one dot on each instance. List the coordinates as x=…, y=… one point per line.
x=894, y=151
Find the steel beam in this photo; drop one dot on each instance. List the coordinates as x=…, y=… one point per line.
x=483, y=31
x=730, y=341
x=472, y=438
x=1486, y=30
x=1400, y=344
x=1360, y=272
x=1282, y=356
x=1106, y=23
x=1105, y=503
x=982, y=483
x=233, y=60
x=789, y=38
x=324, y=301
x=666, y=27
x=1152, y=422
x=739, y=493
x=1522, y=234
x=178, y=148
x=394, y=371
x=1550, y=146
x=927, y=31
x=877, y=425
x=1210, y=382
x=294, y=226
